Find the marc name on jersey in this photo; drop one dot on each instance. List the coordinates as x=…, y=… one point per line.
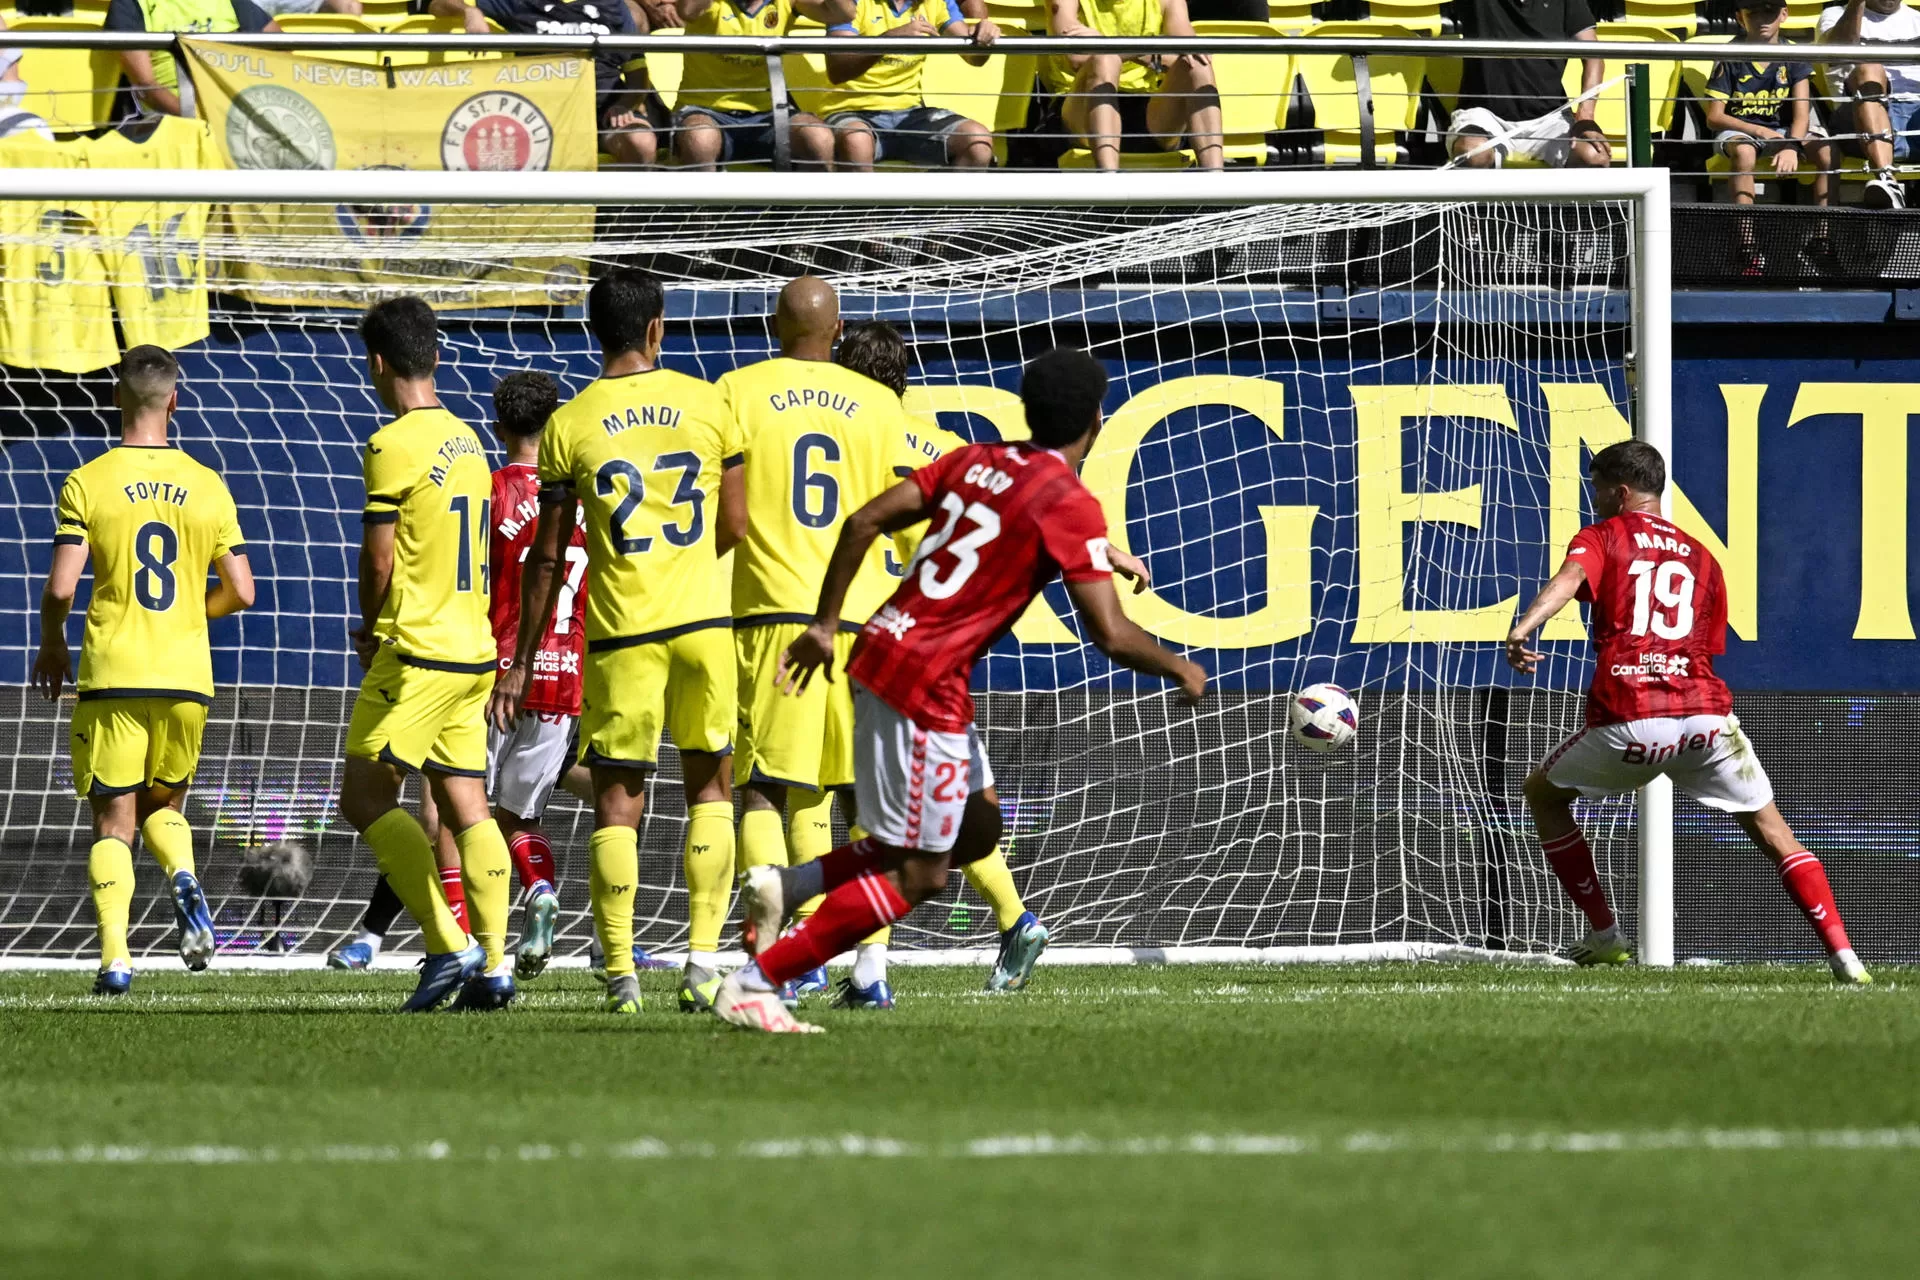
x=808, y=398
x=1662, y=542
x=646, y=415
x=156, y=491
x=453, y=449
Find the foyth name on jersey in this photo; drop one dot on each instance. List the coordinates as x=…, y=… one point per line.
x=156, y=491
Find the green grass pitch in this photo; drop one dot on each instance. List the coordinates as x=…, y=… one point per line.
x=1166, y=1122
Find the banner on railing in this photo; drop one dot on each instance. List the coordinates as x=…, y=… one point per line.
x=270, y=110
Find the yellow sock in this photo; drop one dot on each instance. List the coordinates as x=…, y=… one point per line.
x=709, y=866
x=110, y=873
x=809, y=834
x=991, y=880
x=762, y=842
x=170, y=840
x=614, y=853
x=884, y=934
x=405, y=856
x=486, y=869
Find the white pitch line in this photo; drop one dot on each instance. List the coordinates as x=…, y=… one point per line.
x=1000, y=1147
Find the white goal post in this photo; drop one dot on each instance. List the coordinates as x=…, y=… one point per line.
x=1301, y=909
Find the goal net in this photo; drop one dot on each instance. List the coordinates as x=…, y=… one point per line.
x=1347, y=433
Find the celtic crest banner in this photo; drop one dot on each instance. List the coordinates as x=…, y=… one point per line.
x=270, y=110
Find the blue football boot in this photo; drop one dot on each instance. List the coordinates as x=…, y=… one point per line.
x=812, y=983
x=195, y=922
x=1020, y=949
x=114, y=980
x=850, y=995
x=485, y=993
x=356, y=957
x=443, y=974
x=536, y=932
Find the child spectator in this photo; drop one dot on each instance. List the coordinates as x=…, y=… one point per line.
x=1764, y=110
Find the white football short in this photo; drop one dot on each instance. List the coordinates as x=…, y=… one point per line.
x=525, y=763
x=1708, y=757
x=911, y=784
x=1547, y=139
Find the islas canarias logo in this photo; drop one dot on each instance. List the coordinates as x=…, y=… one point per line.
x=497, y=130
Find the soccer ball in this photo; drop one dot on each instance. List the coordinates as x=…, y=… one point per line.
x=1323, y=717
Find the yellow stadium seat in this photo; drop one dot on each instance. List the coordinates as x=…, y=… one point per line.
x=1290, y=17
x=1252, y=87
x=71, y=89
x=429, y=24
x=1694, y=75
x=807, y=82
x=1803, y=18
x=1330, y=85
x=996, y=94
x=1610, y=108
x=327, y=24
x=663, y=72
x=1678, y=16
x=1028, y=15
x=1422, y=16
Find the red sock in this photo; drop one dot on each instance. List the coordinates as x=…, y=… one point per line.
x=456, y=893
x=1572, y=862
x=849, y=914
x=1806, y=883
x=846, y=862
x=533, y=859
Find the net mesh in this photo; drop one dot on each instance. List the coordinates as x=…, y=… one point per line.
x=1337, y=432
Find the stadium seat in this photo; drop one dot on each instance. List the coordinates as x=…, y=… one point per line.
x=1422, y=16
x=996, y=94
x=337, y=24
x=1252, y=87
x=428, y=24
x=1610, y=109
x=1803, y=18
x=71, y=89
x=1288, y=17
x=807, y=82
x=1338, y=114
x=1677, y=16
x=663, y=70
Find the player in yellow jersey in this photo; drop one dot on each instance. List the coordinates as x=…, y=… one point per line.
x=153, y=521
x=878, y=112
x=815, y=442
x=876, y=349
x=641, y=450
x=724, y=112
x=426, y=646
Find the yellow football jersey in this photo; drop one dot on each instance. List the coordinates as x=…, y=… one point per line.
x=819, y=441
x=1113, y=18
x=427, y=471
x=153, y=251
x=892, y=83
x=921, y=443
x=732, y=81
x=643, y=455
x=55, y=309
x=153, y=521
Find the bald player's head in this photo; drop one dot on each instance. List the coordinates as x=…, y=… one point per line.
x=808, y=318
x=148, y=376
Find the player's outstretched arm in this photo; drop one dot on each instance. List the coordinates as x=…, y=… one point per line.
x=1120, y=638
x=235, y=591
x=900, y=507
x=376, y=579
x=1553, y=597
x=539, y=597
x=53, y=666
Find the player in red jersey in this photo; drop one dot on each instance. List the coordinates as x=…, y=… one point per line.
x=1006, y=520
x=536, y=753
x=1655, y=707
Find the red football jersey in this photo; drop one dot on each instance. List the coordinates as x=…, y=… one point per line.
x=1007, y=519
x=554, y=686
x=1659, y=617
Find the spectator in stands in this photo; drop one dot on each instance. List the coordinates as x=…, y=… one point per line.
x=1518, y=106
x=725, y=109
x=619, y=76
x=1882, y=98
x=280, y=8
x=1765, y=109
x=15, y=119
x=1107, y=100
x=880, y=114
x=157, y=86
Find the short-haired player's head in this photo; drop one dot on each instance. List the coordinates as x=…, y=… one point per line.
x=622, y=307
x=148, y=377
x=1631, y=466
x=1062, y=392
x=404, y=334
x=522, y=403
x=876, y=349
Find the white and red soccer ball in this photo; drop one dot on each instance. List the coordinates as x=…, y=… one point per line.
x=1323, y=717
